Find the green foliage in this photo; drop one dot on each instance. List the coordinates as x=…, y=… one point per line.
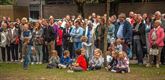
x=7, y=2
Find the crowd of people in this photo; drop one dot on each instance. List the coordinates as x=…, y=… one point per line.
x=78, y=43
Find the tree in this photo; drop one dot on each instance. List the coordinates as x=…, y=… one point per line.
x=80, y=6
x=7, y=2
x=114, y=6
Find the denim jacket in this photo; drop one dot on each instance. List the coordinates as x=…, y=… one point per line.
x=76, y=34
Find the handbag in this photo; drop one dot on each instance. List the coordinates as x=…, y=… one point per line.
x=154, y=51
x=39, y=41
x=17, y=40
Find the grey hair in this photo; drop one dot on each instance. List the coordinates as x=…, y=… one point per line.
x=158, y=21
x=158, y=12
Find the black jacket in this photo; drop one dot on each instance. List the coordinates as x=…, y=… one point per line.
x=66, y=36
x=48, y=34
x=140, y=32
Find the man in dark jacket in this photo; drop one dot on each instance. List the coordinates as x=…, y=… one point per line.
x=123, y=29
x=139, y=40
x=67, y=42
x=49, y=38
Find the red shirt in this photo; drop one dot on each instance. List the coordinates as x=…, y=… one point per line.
x=82, y=62
x=132, y=21
x=59, y=37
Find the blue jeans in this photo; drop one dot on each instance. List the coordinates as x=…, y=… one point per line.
x=39, y=53
x=26, y=61
x=29, y=53
x=77, y=45
x=137, y=49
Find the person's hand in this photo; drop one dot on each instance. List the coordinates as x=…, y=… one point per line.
x=133, y=30
x=154, y=44
x=50, y=62
x=122, y=40
x=99, y=38
x=46, y=43
x=109, y=66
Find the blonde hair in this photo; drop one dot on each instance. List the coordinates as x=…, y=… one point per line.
x=51, y=17
x=122, y=55
x=26, y=40
x=118, y=40
x=158, y=21
x=54, y=53
x=84, y=39
x=25, y=19
x=66, y=52
x=99, y=51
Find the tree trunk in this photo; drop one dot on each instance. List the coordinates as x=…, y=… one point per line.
x=80, y=8
x=105, y=34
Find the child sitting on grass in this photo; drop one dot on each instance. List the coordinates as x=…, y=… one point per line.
x=97, y=61
x=65, y=60
x=81, y=63
x=111, y=61
x=122, y=63
x=54, y=60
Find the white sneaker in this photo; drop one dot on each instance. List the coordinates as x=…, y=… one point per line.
x=113, y=70
x=37, y=62
x=148, y=65
x=63, y=66
x=40, y=62
x=32, y=63
x=70, y=71
x=122, y=72
x=22, y=60
x=106, y=68
x=157, y=66
x=129, y=70
x=59, y=66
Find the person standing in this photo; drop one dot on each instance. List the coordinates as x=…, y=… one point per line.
x=59, y=39
x=123, y=30
x=3, y=40
x=27, y=34
x=38, y=41
x=48, y=36
x=76, y=34
x=139, y=40
x=67, y=42
x=13, y=38
x=156, y=39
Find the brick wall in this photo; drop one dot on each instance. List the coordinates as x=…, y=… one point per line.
x=6, y=10
x=142, y=8
x=20, y=11
x=61, y=10
x=13, y=11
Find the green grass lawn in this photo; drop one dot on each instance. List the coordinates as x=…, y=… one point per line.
x=39, y=72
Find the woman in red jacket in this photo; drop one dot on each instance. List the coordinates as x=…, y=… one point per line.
x=156, y=39
x=59, y=42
